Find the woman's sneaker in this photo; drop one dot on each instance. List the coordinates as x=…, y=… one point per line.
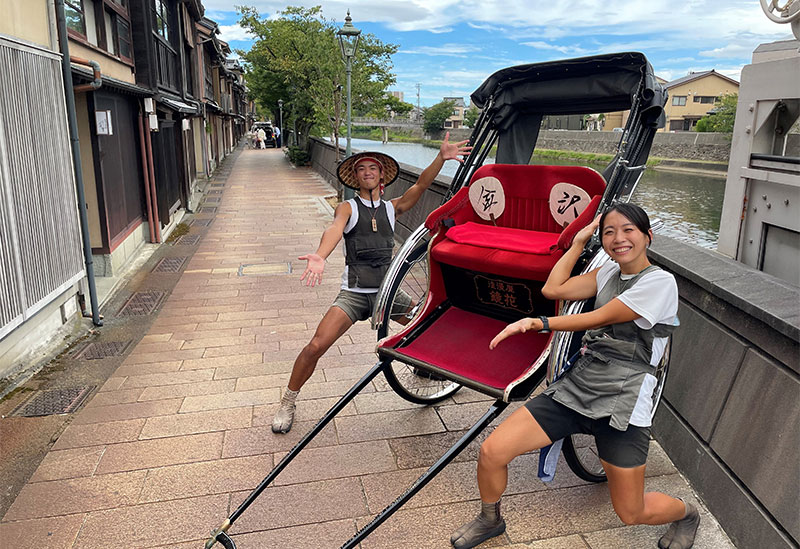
x=680, y=534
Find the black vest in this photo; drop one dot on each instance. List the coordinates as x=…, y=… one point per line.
x=368, y=253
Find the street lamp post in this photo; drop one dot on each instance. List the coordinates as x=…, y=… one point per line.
x=280, y=120
x=348, y=37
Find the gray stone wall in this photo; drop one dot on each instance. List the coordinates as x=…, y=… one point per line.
x=730, y=417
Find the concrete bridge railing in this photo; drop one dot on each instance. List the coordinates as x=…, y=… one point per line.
x=730, y=417
x=386, y=122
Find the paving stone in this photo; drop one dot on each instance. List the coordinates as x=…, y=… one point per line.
x=313, y=502
x=187, y=389
x=70, y=496
x=208, y=477
x=225, y=361
x=197, y=422
x=118, y=412
x=76, y=436
x=260, y=440
x=144, y=454
x=388, y=425
x=108, y=398
x=424, y=450
x=148, y=368
x=346, y=460
x=230, y=400
x=307, y=410
x=327, y=534
x=63, y=464
x=171, y=378
x=49, y=533
x=565, y=542
x=166, y=523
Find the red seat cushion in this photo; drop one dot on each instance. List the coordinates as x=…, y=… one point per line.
x=503, y=238
x=492, y=260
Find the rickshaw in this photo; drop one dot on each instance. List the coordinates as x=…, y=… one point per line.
x=479, y=261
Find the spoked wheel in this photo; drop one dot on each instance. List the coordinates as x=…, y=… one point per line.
x=400, y=301
x=580, y=451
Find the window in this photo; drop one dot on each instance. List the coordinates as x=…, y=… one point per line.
x=709, y=99
x=161, y=9
x=679, y=100
x=76, y=19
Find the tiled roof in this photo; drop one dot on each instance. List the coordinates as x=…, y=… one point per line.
x=694, y=76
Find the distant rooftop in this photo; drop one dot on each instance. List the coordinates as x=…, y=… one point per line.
x=695, y=75
x=459, y=101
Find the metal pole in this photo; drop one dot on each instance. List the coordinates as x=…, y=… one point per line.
x=348, y=192
x=280, y=123
x=66, y=70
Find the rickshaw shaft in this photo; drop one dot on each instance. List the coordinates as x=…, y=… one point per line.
x=495, y=410
x=344, y=401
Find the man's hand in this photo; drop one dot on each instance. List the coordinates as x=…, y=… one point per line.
x=313, y=273
x=453, y=151
x=519, y=327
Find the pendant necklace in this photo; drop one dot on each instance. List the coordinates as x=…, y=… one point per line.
x=373, y=213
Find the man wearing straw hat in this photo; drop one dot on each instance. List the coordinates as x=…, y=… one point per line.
x=367, y=224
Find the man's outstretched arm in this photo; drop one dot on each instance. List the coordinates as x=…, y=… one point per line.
x=448, y=151
x=330, y=238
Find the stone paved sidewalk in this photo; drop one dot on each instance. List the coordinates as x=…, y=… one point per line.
x=180, y=434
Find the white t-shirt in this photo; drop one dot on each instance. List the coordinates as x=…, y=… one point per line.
x=349, y=227
x=655, y=298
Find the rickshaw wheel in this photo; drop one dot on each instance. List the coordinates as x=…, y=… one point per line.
x=411, y=278
x=580, y=451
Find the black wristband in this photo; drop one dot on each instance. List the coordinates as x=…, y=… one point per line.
x=545, y=325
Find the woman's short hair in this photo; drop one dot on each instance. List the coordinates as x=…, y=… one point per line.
x=633, y=213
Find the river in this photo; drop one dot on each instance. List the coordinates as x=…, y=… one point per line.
x=690, y=205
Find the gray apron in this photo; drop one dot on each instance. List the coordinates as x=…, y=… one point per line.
x=606, y=380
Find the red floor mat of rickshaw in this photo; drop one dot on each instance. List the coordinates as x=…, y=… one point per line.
x=459, y=342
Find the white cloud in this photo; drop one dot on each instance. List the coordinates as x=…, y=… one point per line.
x=450, y=50
x=729, y=51
x=568, y=50
x=234, y=32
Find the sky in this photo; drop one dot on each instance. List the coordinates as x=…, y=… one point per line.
x=451, y=47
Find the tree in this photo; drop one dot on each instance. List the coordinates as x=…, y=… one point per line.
x=296, y=57
x=389, y=104
x=434, y=117
x=471, y=116
x=721, y=117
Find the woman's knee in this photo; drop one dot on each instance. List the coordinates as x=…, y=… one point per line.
x=493, y=453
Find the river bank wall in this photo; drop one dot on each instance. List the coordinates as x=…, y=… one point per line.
x=731, y=406
x=694, y=146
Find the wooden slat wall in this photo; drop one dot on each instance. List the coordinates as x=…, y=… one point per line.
x=40, y=243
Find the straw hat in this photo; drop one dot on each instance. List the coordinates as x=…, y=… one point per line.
x=347, y=174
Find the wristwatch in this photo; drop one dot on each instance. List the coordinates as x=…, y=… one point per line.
x=545, y=325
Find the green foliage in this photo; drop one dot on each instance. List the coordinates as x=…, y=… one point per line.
x=471, y=116
x=387, y=104
x=723, y=117
x=298, y=156
x=296, y=58
x=434, y=117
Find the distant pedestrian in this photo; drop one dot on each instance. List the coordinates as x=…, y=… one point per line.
x=277, y=137
x=262, y=138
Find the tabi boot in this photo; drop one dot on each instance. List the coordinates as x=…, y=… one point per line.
x=680, y=534
x=487, y=524
x=282, y=422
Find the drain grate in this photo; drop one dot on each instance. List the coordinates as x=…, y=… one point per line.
x=189, y=239
x=214, y=192
x=212, y=199
x=142, y=303
x=170, y=265
x=217, y=185
x=203, y=222
x=208, y=209
x=56, y=401
x=103, y=349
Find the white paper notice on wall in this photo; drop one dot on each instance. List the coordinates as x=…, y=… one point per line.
x=567, y=202
x=185, y=124
x=153, y=121
x=103, y=123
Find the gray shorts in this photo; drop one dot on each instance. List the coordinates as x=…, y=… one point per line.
x=359, y=306
x=626, y=448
